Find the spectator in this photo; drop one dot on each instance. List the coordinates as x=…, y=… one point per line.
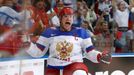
x=16, y=6
x=88, y=14
x=39, y=16
x=105, y=9
x=90, y=3
x=97, y=28
x=131, y=15
x=54, y=11
x=121, y=15
x=78, y=18
x=13, y=4
x=88, y=27
x=118, y=38
x=130, y=39
x=104, y=39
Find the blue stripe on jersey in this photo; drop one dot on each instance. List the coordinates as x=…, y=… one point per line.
x=77, y=32
x=2, y=13
x=41, y=47
x=55, y=67
x=90, y=48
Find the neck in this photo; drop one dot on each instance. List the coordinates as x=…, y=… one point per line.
x=65, y=30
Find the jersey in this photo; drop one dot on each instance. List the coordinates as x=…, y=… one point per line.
x=64, y=47
x=8, y=16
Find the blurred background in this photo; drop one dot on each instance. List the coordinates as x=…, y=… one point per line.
x=110, y=23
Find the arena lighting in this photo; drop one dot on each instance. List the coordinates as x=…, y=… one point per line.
x=116, y=72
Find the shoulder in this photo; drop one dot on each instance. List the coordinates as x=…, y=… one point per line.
x=82, y=32
x=47, y=32
x=51, y=29
x=79, y=29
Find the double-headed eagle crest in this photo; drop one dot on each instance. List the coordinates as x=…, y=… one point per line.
x=64, y=49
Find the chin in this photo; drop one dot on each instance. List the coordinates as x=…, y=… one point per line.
x=69, y=29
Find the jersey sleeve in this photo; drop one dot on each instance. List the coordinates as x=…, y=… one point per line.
x=39, y=48
x=89, y=49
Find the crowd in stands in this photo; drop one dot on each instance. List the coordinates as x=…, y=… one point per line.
x=109, y=22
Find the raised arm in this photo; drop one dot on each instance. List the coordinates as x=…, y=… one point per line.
x=40, y=47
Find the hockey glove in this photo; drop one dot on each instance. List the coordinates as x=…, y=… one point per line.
x=105, y=57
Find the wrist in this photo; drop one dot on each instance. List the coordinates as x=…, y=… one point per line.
x=99, y=57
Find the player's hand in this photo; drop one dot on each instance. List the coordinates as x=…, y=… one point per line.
x=105, y=57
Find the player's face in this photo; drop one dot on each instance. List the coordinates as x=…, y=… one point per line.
x=66, y=22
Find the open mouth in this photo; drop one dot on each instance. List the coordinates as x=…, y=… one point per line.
x=68, y=23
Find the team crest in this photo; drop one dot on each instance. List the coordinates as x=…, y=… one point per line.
x=64, y=49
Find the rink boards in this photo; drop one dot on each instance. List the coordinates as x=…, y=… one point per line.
x=121, y=63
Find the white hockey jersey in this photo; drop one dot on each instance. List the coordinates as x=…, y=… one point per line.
x=8, y=16
x=64, y=47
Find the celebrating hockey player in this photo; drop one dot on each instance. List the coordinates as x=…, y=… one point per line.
x=66, y=45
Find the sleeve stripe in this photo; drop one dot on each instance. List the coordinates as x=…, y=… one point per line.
x=41, y=47
x=90, y=48
x=42, y=40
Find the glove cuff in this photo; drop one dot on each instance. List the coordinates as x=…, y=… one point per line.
x=99, y=57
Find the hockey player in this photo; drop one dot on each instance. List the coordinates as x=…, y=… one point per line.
x=65, y=45
x=10, y=39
